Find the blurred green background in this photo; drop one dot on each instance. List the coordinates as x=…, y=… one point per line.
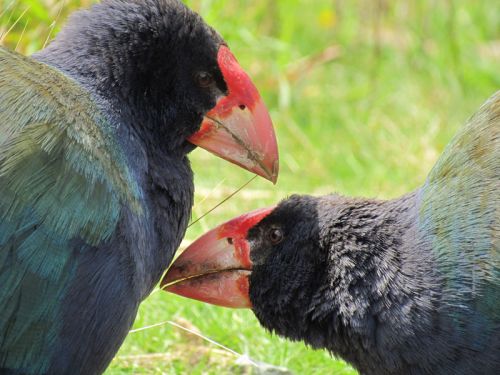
x=364, y=95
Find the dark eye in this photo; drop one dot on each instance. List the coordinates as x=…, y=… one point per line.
x=204, y=79
x=275, y=235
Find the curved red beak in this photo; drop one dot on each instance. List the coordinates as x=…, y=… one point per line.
x=215, y=268
x=239, y=128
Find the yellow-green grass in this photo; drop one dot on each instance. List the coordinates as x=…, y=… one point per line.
x=364, y=96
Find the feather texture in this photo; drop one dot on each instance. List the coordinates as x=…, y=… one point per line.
x=63, y=178
x=460, y=215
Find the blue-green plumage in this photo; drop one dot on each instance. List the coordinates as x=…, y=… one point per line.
x=63, y=176
x=460, y=217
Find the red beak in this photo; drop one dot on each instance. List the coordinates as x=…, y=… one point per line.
x=216, y=267
x=239, y=128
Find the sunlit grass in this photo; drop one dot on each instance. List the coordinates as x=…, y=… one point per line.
x=364, y=96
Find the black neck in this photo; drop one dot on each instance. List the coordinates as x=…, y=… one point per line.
x=366, y=272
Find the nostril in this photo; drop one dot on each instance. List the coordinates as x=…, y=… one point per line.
x=242, y=107
x=229, y=240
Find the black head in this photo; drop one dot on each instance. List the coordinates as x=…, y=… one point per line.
x=288, y=265
x=153, y=61
x=273, y=260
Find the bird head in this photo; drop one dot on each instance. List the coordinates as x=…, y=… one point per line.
x=270, y=260
x=173, y=78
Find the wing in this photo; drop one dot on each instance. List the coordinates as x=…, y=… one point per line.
x=460, y=211
x=62, y=178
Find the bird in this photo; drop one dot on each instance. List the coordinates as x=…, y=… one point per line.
x=96, y=187
x=403, y=286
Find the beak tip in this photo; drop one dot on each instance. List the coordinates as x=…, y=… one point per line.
x=274, y=179
x=269, y=166
x=275, y=173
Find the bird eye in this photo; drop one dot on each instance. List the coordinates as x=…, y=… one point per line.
x=204, y=79
x=275, y=235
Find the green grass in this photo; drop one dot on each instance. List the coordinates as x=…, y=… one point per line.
x=364, y=96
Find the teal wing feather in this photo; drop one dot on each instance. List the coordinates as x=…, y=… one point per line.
x=460, y=212
x=62, y=177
